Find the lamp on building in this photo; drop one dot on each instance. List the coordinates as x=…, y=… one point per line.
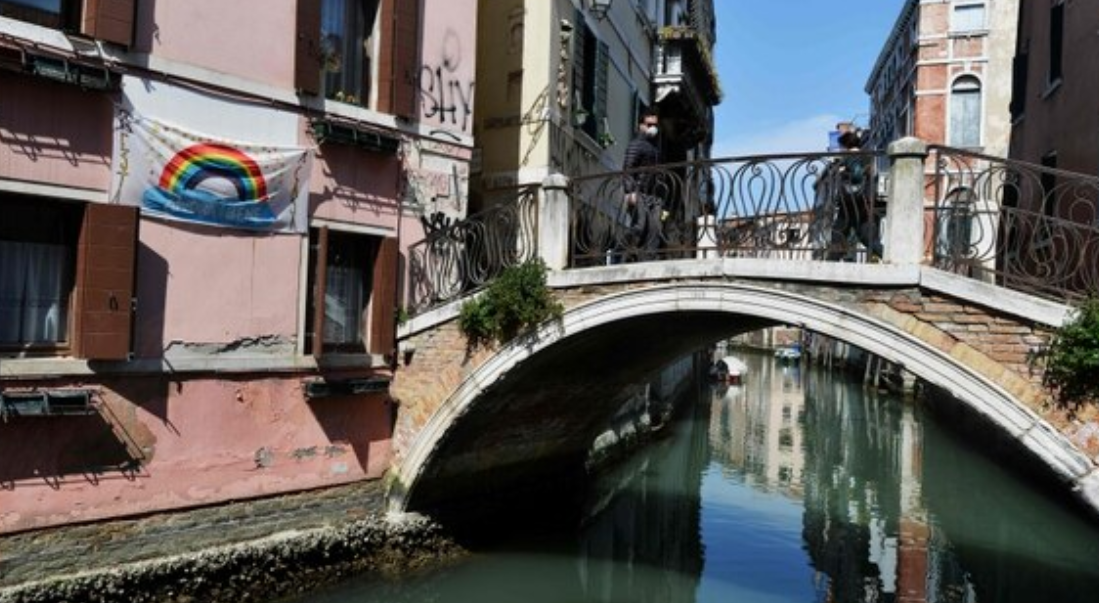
x=599, y=8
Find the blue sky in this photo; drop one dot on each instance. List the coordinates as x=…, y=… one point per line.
x=790, y=69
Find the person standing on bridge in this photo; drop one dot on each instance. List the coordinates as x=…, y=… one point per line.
x=644, y=205
x=854, y=196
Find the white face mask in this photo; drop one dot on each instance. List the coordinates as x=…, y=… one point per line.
x=652, y=131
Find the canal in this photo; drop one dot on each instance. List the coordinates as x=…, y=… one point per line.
x=797, y=486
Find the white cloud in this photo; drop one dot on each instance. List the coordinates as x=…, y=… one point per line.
x=809, y=135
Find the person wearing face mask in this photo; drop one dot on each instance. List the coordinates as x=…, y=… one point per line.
x=643, y=201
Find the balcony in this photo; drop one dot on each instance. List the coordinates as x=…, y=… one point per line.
x=685, y=65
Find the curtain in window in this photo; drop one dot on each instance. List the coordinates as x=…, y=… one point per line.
x=343, y=305
x=342, y=45
x=34, y=291
x=965, y=113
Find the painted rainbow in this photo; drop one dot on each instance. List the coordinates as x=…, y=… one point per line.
x=189, y=167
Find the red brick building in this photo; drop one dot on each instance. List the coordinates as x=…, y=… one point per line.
x=944, y=75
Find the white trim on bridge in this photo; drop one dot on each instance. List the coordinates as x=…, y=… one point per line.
x=1019, y=305
x=984, y=396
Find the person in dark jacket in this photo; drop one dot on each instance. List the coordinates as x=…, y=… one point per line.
x=644, y=205
x=855, y=202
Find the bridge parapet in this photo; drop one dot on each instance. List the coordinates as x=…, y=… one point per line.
x=1006, y=223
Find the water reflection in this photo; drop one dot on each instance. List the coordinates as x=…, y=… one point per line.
x=798, y=485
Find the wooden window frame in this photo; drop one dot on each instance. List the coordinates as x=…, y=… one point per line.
x=379, y=324
x=101, y=301
x=107, y=20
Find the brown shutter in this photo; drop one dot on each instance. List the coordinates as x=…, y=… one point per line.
x=307, y=62
x=320, y=287
x=109, y=20
x=399, y=63
x=105, y=282
x=383, y=301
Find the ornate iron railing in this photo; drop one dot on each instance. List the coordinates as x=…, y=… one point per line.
x=458, y=257
x=1014, y=224
x=778, y=206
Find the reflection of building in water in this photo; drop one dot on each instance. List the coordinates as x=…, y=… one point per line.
x=865, y=524
x=856, y=462
x=755, y=428
x=769, y=338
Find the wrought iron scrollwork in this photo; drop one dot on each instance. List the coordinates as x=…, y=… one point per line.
x=781, y=206
x=1015, y=224
x=459, y=257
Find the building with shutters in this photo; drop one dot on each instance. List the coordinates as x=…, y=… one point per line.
x=944, y=75
x=203, y=212
x=569, y=84
x=1054, y=113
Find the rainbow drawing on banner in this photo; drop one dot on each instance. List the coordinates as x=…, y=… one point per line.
x=213, y=183
x=214, y=163
x=189, y=168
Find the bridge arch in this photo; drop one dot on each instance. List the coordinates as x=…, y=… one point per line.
x=714, y=310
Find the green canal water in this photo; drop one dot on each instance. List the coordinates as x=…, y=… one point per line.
x=798, y=486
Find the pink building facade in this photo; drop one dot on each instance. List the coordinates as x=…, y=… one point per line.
x=204, y=212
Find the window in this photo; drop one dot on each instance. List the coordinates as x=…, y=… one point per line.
x=110, y=21
x=591, y=65
x=55, y=14
x=955, y=227
x=968, y=17
x=965, y=112
x=353, y=285
x=334, y=55
x=66, y=277
x=347, y=28
x=1056, y=40
x=37, y=268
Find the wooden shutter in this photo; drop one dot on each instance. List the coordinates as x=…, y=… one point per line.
x=105, y=282
x=579, y=50
x=307, y=62
x=109, y=20
x=399, y=63
x=383, y=299
x=320, y=288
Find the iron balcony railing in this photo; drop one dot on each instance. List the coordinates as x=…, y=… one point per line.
x=1012, y=224
x=1018, y=225
x=804, y=206
x=459, y=257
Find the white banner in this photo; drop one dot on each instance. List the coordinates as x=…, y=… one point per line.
x=178, y=173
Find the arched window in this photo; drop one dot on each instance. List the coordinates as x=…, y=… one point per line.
x=965, y=112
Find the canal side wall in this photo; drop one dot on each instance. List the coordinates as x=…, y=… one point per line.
x=154, y=443
x=649, y=408
x=256, y=550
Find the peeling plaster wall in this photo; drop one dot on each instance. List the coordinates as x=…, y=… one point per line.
x=157, y=444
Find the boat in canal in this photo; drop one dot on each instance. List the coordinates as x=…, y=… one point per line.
x=729, y=369
x=788, y=353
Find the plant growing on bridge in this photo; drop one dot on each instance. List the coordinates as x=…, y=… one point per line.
x=1072, y=361
x=516, y=302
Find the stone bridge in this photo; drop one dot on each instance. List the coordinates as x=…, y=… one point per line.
x=477, y=422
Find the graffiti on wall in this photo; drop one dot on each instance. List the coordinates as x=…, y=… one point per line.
x=446, y=93
x=437, y=176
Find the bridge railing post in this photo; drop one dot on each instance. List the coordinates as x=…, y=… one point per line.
x=904, y=217
x=553, y=222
